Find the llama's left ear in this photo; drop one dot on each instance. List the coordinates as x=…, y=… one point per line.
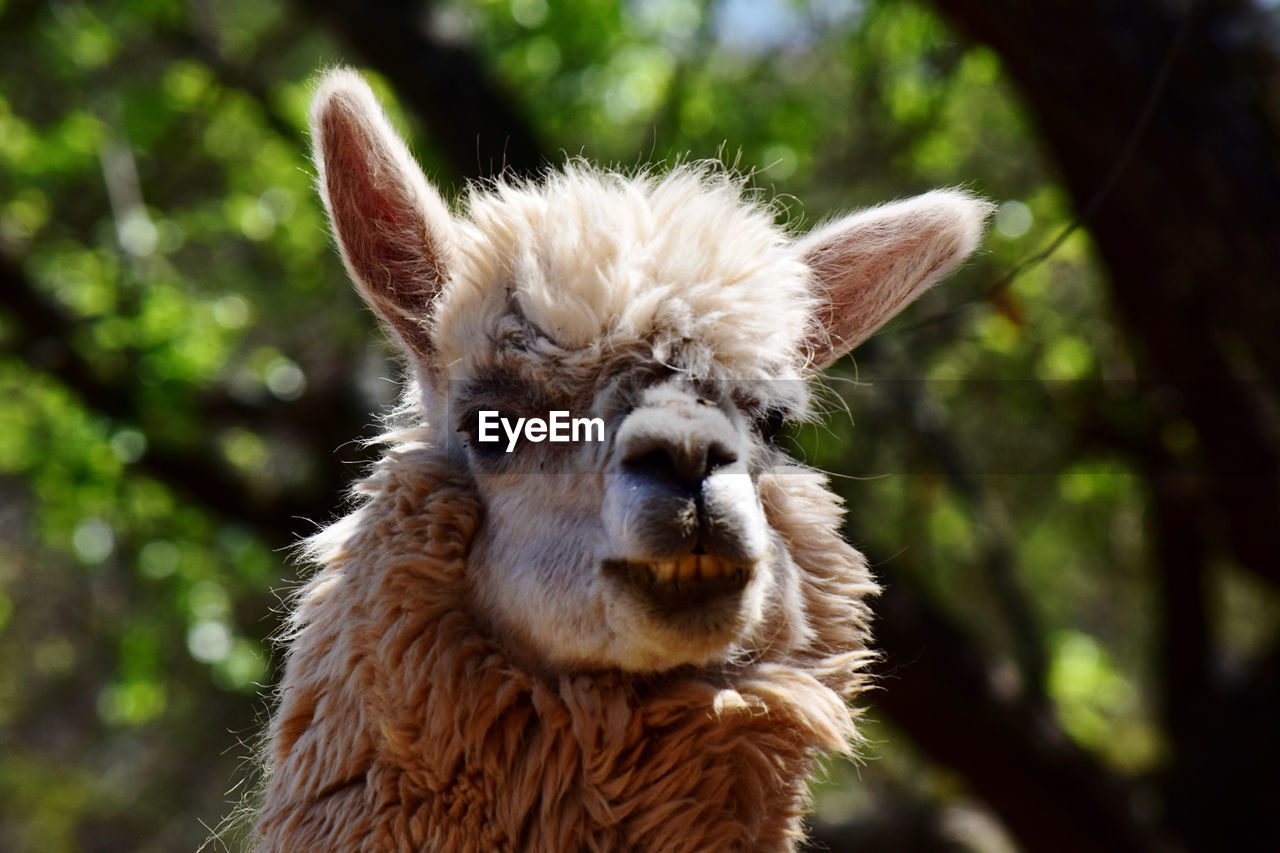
x=870, y=265
x=392, y=226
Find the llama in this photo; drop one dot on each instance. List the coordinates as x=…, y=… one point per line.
x=643, y=642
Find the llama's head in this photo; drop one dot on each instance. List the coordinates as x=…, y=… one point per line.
x=674, y=323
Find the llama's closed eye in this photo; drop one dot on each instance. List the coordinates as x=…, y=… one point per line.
x=771, y=425
x=487, y=437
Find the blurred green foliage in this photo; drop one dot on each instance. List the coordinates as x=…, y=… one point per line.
x=154, y=188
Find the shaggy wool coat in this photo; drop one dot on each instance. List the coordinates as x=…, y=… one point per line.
x=402, y=727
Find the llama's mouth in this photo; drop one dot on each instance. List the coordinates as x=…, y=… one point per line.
x=680, y=585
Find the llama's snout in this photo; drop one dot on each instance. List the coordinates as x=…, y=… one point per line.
x=671, y=473
x=689, y=535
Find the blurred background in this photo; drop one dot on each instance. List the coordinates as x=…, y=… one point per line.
x=1065, y=465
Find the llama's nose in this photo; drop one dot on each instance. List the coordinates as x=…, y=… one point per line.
x=683, y=462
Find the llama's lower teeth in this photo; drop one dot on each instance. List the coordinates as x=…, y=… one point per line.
x=710, y=567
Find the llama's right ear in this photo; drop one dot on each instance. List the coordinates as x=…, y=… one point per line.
x=870, y=265
x=392, y=226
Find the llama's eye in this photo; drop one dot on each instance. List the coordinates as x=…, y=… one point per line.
x=770, y=424
x=489, y=442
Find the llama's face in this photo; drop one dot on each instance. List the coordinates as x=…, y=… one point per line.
x=673, y=324
x=669, y=317
x=646, y=549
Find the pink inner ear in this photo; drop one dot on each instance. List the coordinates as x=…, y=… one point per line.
x=869, y=266
x=379, y=218
x=864, y=289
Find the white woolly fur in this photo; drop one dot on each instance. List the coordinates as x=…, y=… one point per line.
x=597, y=259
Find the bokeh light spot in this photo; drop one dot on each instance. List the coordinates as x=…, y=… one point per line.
x=128, y=445
x=1013, y=219
x=93, y=540
x=209, y=641
x=285, y=380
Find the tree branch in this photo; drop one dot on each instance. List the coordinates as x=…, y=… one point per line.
x=1182, y=229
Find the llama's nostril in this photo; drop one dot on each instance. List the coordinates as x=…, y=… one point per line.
x=685, y=463
x=665, y=463
x=719, y=456
x=654, y=462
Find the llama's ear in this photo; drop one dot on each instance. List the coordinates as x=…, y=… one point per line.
x=392, y=226
x=870, y=265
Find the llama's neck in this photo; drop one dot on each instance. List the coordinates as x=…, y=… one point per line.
x=402, y=727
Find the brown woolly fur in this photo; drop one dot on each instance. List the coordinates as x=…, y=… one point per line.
x=401, y=727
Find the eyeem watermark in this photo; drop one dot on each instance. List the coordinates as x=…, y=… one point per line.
x=558, y=427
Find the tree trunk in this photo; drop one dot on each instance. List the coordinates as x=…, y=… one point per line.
x=1176, y=120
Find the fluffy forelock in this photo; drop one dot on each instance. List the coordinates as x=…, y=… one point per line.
x=596, y=259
